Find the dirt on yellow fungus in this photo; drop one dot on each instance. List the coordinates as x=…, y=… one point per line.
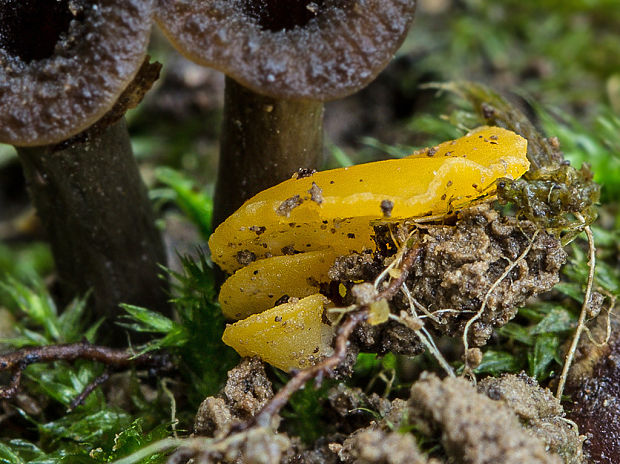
x=288, y=336
x=334, y=208
x=283, y=241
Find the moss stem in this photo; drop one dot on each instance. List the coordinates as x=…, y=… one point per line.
x=264, y=141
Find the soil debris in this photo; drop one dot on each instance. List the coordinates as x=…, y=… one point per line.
x=304, y=172
x=461, y=266
x=539, y=412
x=391, y=336
x=351, y=406
x=245, y=257
x=473, y=428
x=386, y=208
x=378, y=447
x=247, y=390
x=355, y=267
x=289, y=205
x=316, y=193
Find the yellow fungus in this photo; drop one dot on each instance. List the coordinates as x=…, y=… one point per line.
x=283, y=240
x=257, y=287
x=334, y=208
x=289, y=336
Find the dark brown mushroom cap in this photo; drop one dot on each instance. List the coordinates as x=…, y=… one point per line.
x=63, y=63
x=295, y=49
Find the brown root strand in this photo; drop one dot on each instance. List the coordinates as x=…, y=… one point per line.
x=17, y=361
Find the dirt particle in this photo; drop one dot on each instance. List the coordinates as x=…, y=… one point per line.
x=283, y=299
x=289, y=205
x=386, y=208
x=288, y=250
x=246, y=392
x=316, y=194
x=431, y=151
x=474, y=357
x=258, y=230
x=305, y=172
x=474, y=428
x=278, y=318
x=245, y=257
x=539, y=412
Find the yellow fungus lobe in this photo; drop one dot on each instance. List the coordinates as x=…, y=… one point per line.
x=289, y=336
x=334, y=208
x=258, y=286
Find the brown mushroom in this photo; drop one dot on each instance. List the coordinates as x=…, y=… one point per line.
x=64, y=65
x=283, y=59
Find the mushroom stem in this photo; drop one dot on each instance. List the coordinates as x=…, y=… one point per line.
x=264, y=141
x=96, y=212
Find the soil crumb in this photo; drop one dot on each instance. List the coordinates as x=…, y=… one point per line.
x=539, y=412
x=461, y=264
x=386, y=208
x=378, y=447
x=245, y=257
x=289, y=205
x=316, y=193
x=245, y=393
x=460, y=267
x=474, y=429
x=304, y=172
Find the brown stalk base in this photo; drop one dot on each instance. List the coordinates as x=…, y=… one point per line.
x=264, y=141
x=99, y=221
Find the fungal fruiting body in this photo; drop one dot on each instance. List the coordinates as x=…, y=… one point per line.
x=281, y=242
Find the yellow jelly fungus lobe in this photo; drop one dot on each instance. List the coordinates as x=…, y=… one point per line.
x=289, y=336
x=258, y=286
x=282, y=241
x=335, y=208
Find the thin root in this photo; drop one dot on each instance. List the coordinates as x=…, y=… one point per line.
x=584, y=310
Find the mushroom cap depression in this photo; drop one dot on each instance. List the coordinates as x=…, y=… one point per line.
x=293, y=49
x=63, y=63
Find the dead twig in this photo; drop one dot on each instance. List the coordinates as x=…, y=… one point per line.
x=78, y=400
x=17, y=361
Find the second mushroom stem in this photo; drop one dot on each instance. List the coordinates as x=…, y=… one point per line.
x=97, y=215
x=264, y=141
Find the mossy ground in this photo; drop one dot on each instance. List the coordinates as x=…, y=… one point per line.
x=557, y=61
